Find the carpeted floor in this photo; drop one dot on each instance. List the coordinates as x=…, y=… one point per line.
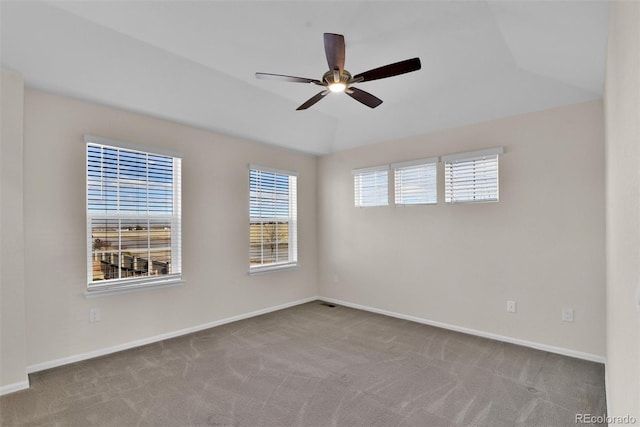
x=314, y=365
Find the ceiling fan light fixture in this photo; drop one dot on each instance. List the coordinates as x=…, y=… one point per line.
x=337, y=87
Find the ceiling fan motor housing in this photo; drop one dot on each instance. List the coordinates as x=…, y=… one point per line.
x=345, y=77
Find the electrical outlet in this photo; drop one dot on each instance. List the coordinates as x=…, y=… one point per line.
x=567, y=314
x=511, y=306
x=94, y=315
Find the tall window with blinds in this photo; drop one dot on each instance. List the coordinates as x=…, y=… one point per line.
x=273, y=221
x=472, y=176
x=133, y=216
x=371, y=186
x=416, y=182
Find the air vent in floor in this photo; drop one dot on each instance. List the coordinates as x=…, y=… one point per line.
x=327, y=304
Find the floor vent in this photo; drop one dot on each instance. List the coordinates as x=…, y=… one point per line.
x=327, y=304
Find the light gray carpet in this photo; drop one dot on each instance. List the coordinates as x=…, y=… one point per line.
x=314, y=365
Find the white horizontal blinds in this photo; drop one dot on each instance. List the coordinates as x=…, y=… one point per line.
x=416, y=182
x=472, y=177
x=293, y=219
x=371, y=186
x=134, y=216
x=273, y=214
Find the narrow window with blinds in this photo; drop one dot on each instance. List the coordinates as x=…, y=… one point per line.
x=371, y=186
x=133, y=217
x=273, y=232
x=472, y=176
x=415, y=182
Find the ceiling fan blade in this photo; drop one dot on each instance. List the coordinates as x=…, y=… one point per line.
x=390, y=70
x=365, y=97
x=315, y=98
x=283, y=78
x=334, y=49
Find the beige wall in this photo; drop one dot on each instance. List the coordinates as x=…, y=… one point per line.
x=542, y=245
x=215, y=231
x=12, y=304
x=622, y=104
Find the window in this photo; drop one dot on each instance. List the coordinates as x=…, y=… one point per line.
x=472, y=176
x=133, y=216
x=371, y=186
x=415, y=182
x=273, y=215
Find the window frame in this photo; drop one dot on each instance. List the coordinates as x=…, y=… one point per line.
x=431, y=193
x=120, y=284
x=360, y=198
x=468, y=157
x=292, y=221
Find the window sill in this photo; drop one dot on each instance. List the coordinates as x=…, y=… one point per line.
x=123, y=289
x=462, y=202
x=273, y=268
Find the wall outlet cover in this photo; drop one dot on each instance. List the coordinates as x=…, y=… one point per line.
x=567, y=314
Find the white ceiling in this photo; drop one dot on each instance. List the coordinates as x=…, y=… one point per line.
x=193, y=62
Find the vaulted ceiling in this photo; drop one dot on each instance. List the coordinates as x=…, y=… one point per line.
x=194, y=62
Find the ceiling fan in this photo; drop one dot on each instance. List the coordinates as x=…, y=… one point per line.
x=337, y=79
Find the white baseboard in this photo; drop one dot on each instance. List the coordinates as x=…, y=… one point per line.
x=11, y=388
x=144, y=341
x=511, y=340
